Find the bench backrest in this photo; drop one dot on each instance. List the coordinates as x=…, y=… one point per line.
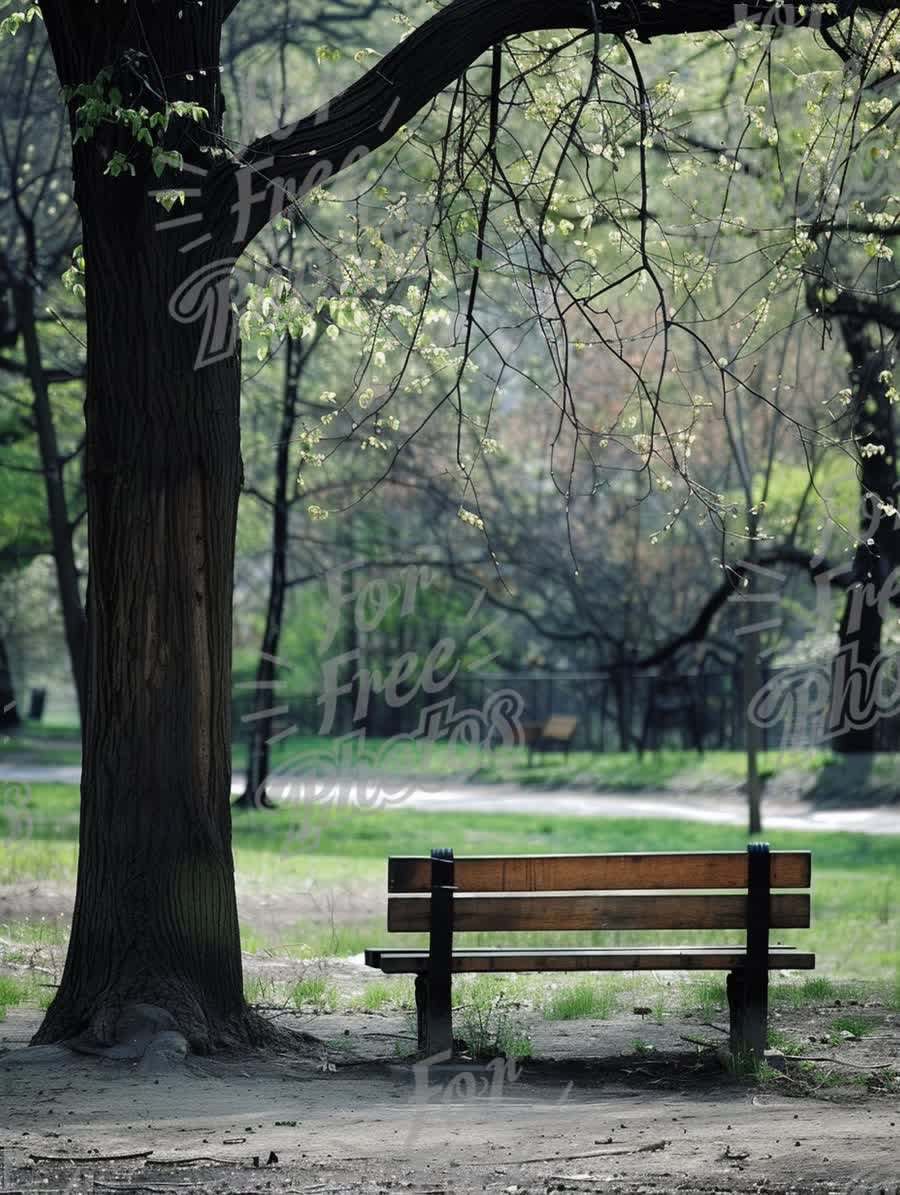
x=559, y=726
x=602, y=892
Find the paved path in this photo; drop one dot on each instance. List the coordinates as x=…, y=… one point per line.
x=728, y=809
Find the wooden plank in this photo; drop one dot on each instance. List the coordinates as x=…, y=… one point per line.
x=586, y=873
x=560, y=727
x=685, y=958
x=513, y=913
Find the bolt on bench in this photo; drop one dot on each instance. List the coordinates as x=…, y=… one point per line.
x=442, y=896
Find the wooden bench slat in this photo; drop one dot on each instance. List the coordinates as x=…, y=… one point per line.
x=703, y=958
x=514, y=913
x=584, y=873
x=559, y=726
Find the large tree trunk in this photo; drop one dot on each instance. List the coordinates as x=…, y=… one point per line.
x=876, y=562
x=261, y=719
x=9, y=711
x=155, y=919
x=57, y=507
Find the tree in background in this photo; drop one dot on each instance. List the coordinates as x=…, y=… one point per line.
x=41, y=227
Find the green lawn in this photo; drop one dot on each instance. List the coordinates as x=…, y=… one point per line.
x=614, y=771
x=856, y=888
x=311, y=755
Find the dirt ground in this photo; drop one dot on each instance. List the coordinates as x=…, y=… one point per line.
x=591, y=1112
x=267, y=910
x=588, y=1114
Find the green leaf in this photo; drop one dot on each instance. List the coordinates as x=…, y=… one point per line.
x=168, y=199
x=163, y=159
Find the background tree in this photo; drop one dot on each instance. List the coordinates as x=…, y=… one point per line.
x=41, y=350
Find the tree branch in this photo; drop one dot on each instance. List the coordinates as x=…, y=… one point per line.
x=848, y=304
x=242, y=197
x=839, y=578
x=52, y=376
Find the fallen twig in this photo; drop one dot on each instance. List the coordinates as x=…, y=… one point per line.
x=131, y=1185
x=595, y=1153
x=190, y=1161
x=882, y=1066
x=144, y=1153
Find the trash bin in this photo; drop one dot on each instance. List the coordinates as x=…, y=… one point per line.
x=36, y=708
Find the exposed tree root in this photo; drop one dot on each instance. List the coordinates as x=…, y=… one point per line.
x=163, y=1036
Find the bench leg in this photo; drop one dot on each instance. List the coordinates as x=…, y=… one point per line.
x=748, y=998
x=434, y=1017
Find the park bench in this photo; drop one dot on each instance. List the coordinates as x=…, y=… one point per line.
x=553, y=734
x=441, y=895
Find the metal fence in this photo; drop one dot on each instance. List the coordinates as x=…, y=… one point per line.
x=616, y=710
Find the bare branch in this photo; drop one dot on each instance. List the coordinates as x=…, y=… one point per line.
x=277, y=169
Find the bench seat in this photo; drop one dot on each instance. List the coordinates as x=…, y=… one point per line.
x=396, y=961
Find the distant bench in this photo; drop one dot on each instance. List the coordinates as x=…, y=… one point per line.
x=553, y=734
x=441, y=895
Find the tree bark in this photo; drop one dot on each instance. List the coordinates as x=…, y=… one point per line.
x=57, y=507
x=254, y=795
x=155, y=918
x=752, y=682
x=9, y=712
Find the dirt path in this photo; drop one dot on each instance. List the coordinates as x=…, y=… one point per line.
x=784, y=809
x=675, y=1124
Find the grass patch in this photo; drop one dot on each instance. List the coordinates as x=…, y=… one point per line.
x=26, y=749
x=315, y=992
x=14, y=992
x=893, y=998
x=313, y=755
x=392, y=993
x=486, y=1024
x=777, y=1039
x=585, y=999
x=375, y=997
x=829, y=1078
x=705, y=996
x=617, y=771
x=816, y=990
x=259, y=990
x=853, y=1026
